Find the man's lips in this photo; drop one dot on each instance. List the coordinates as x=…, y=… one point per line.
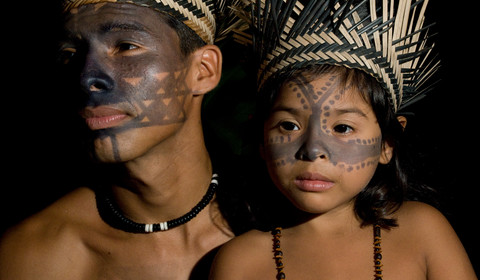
x=313, y=182
x=103, y=117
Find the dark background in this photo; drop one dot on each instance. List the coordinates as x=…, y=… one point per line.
x=43, y=157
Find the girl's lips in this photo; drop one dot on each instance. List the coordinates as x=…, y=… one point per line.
x=313, y=182
x=103, y=117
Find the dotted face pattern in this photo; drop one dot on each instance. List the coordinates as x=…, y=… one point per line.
x=317, y=137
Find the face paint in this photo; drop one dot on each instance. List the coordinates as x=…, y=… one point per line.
x=157, y=107
x=322, y=105
x=132, y=73
x=322, y=143
x=155, y=100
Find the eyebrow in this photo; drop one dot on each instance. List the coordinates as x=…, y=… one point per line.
x=294, y=111
x=350, y=110
x=122, y=26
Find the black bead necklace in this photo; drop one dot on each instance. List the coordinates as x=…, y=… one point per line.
x=112, y=215
x=377, y=252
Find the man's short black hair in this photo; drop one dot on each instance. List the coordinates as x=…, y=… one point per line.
x=189, y=40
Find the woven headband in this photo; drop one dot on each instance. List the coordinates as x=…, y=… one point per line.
x=196, y=14
x=386, y=40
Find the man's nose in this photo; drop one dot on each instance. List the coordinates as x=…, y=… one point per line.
x=94, y=78
x=95, y=81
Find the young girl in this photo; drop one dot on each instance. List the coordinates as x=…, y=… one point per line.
x=332, y=147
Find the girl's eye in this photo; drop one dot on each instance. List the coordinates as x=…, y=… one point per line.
x=289, y=126
x=343, y=129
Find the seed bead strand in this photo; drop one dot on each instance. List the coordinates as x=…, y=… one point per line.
x=277, y=252
x=377, y=252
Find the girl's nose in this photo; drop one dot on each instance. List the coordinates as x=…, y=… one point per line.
x=312, y=147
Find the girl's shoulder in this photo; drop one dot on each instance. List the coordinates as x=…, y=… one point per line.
x=244, y=255
x=422, y=219
x=253, y=241
x=414, y=213
x=425, y=230
x=419, y=222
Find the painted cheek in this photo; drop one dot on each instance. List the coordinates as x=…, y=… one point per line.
x=354, y=154
x=281, y=150
x=159, y=97
x=349, y=154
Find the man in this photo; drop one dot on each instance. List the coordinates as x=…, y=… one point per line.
x=142, y=75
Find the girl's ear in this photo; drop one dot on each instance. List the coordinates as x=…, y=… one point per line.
x=387, y=147
x=387, y=152
x=205, y=69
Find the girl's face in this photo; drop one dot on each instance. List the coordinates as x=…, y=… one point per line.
x=322, y=143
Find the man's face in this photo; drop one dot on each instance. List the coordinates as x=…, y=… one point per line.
x=131, y=74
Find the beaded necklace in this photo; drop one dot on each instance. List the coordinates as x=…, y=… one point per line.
x=113, y=216
x=377, y=252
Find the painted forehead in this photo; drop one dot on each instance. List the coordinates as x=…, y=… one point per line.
x=198, y=15
x=327, y=90
x=143, y=18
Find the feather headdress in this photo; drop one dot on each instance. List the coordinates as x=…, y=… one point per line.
x=385, y=38
x=199, y=15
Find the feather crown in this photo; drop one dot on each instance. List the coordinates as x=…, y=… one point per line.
x=199, y=15
x=385, y=38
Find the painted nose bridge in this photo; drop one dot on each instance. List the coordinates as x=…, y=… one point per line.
x=93, y=77
x=313, y=145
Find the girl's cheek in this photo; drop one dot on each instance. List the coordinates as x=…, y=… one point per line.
x=281, y=150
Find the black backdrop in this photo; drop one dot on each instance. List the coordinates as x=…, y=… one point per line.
x=43, y=156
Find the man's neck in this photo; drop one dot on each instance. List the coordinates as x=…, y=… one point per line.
x=166, y=182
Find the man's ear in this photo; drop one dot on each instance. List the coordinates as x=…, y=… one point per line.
x=402, y=120
x=206, y=69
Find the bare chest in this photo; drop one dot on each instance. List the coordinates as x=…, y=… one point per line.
x=153, y=267
x=358, y=257
x=146, y=260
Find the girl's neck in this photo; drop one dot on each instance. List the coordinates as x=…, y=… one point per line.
x=337, y=221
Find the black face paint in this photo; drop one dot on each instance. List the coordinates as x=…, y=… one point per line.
x=133, y=76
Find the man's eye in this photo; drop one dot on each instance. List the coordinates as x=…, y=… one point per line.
x=343, y=129
x=66, y=55
x=126, y=47
x=289, y=126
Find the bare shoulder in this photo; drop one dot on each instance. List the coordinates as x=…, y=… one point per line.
x=39, y=244
x=248, y=243
x=427, y=229
x=424, y=222
x=420, y=215
x=252, y=250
